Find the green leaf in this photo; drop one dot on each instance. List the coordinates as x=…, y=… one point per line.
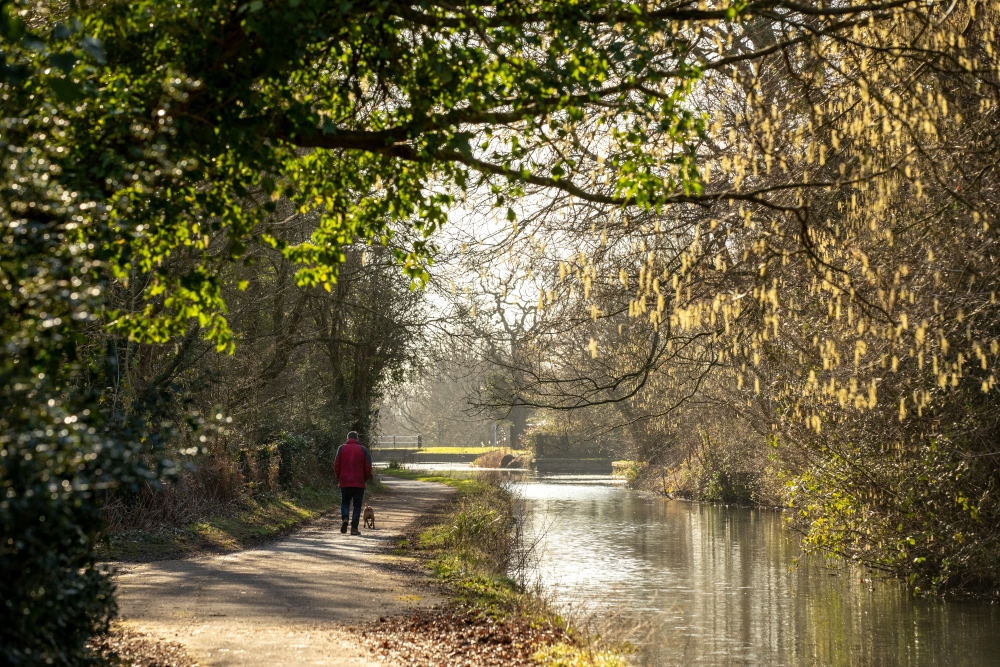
x=94, y=48
x=61, y=31
x=11, y=27
x=64, y=61
x=14, y=74
x=67, y=90
x=33, y=43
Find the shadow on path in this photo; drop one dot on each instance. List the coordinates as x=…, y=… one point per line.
x=286, y=603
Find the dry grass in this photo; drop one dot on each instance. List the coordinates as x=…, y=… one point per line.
x=215, y=487
x=567, y=654
x=228, y=502
x=459, y=639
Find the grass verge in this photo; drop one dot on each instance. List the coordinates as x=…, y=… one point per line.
x=473, y=549
x=462, y=483
x=251, y=522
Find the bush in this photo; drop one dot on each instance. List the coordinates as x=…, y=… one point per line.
x=219, y=483
x=731, y=467
x=54, y=469
x=630, y=471
x=926, y=513
x=54, y=598
x=495, y=458
x=302, y=462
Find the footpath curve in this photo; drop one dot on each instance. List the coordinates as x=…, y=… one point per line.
x=287, y=603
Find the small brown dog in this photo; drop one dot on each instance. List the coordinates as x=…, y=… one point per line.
x=369, y=515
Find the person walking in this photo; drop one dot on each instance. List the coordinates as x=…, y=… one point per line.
x=352, y=467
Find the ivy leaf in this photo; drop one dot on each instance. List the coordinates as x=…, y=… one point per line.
x=64, y=61
x=11, y=27
x=67, y=90
x=13, y=74
x=94, y=48
x=33, y=43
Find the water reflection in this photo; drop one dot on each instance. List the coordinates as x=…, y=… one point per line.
x=715, y=586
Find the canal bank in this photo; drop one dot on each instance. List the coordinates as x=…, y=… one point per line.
x=690, y=583
x=685, y=583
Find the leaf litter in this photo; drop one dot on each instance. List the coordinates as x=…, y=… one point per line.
x=458, y=639
x=124, y=646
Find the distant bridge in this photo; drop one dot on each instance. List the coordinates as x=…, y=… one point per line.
x=390, y=442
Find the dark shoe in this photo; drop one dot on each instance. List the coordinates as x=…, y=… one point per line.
x=355, y=531
x=343, y=527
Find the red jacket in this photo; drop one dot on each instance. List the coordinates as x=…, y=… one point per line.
x=353, y=465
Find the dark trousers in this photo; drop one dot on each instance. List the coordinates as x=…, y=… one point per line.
x=348, y=494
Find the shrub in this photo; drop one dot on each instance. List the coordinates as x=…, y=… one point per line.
x=55, y=468
x=303, y=461
x=213, y=485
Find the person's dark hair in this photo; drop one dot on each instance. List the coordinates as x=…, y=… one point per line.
x=352, y=435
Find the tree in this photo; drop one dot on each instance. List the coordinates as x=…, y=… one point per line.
x=134, y=133
x=837, y=296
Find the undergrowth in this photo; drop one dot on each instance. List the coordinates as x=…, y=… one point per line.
x=238, y=527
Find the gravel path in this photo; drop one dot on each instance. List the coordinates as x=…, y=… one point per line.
x=287, y=603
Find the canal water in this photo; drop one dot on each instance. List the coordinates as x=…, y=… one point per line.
x=700, y=584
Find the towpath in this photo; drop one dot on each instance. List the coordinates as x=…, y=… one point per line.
x=287, y=603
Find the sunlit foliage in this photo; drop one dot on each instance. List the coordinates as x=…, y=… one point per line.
x=793, y=201
x=832, y=282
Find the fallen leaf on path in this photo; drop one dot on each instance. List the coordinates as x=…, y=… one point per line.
x=123, y=646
